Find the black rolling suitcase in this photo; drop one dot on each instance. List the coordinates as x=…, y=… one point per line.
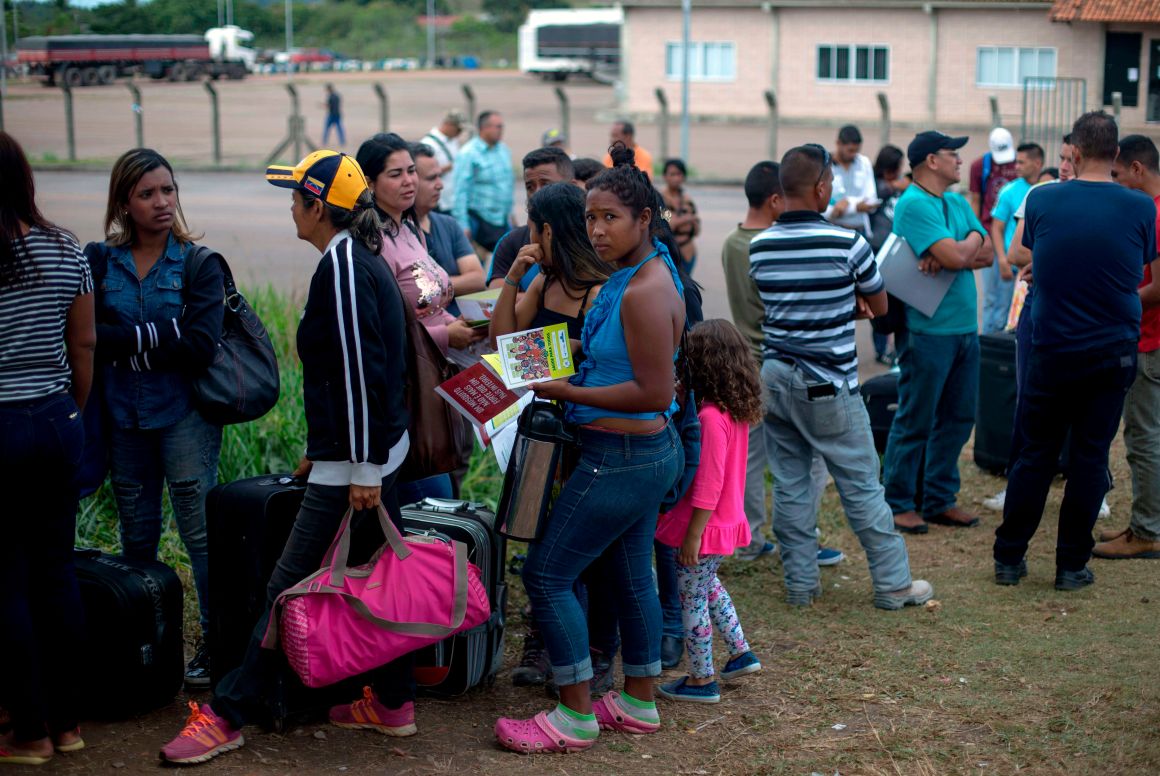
x=247, y=522
x=995, y=409
x=133, y=613
x=468, y=659
x=881, y=397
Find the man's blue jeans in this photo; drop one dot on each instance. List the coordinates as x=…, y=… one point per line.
x=837, y=428
x=610, y=503
x=937, y=390
x=334, y=122
x=997, y=295
x=1083, y=392
x=185, y=456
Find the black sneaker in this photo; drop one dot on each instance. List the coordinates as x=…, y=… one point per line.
x=534, y=668
x=602, y=676
x=1073, y=580
x=602, y=673
x=197, y=673
x=1010, y=575
x=672, y=650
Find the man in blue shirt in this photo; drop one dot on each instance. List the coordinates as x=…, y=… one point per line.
x=939, y=361
x=997, y=306
x=1086, y=323
x=483, y=183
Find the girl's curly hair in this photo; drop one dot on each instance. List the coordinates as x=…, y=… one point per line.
x=723, y=370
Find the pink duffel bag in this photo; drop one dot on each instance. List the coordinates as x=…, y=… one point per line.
x=341, y=621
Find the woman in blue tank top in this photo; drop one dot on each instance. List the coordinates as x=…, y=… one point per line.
x=621, y=399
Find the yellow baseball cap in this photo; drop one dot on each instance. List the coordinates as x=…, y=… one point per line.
x=333, y=177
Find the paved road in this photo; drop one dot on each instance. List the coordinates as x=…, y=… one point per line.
x=249, y=222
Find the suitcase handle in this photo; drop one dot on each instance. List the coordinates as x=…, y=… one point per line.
x=451, y=505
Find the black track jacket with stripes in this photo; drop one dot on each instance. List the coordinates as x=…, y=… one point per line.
x=351, y=343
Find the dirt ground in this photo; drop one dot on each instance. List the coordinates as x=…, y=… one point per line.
x=986, y=681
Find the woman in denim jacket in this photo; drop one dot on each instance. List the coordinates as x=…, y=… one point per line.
x=157, y=329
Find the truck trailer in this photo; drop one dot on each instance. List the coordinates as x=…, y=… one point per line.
x=557, y=43
x=90, y=60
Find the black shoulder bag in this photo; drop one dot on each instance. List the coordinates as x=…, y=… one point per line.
x=242, y=383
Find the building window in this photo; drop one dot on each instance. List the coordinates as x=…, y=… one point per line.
x=1008, y=66
x=707, y=61
x=856, y=64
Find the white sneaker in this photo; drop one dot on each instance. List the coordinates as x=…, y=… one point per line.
x=995, y=503
x=1105, y=510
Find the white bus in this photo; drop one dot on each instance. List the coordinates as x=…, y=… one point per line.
x=582, y=41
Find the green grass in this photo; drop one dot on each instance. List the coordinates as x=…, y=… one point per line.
x=271, y=444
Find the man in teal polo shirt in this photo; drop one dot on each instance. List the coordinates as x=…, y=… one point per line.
x=939, y=362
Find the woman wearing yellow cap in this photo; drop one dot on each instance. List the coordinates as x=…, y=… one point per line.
x=351, y=343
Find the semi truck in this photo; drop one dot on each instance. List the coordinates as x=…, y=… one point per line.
x=91, y=60
x=557, y=43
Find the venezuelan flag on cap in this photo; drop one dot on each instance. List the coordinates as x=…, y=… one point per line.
x=333, y=177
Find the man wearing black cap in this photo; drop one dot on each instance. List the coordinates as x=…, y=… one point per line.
x=940, y=361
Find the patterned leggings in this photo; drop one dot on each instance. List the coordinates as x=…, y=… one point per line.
x=706, y=604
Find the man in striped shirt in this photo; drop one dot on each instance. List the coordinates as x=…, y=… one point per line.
x=814, y=279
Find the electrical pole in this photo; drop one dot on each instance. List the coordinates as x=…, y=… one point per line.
x=430, y=34
x=686, y=14
x=289, y=40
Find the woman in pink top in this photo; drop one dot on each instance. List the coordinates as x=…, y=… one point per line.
x=390, y=170
x=709, y=523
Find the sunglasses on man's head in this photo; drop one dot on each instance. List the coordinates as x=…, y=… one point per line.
x=825, y=159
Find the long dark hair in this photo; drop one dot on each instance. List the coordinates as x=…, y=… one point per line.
x=18, y=206
x=363, y=221
x=372, y=158
x=127, y=173
x=723, y=370
x=574, y=262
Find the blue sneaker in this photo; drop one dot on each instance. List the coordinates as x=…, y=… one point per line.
x=745, y=663
x=680, y=691
x=766, y=549
x=829, y=556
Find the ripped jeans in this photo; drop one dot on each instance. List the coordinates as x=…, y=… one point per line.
x=185, y=456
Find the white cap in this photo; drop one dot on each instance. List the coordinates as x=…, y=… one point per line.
x=1002, y=146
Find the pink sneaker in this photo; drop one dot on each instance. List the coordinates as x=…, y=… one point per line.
x=368, y=714
x=204, y=737
x=610, y=717
x=529, y=736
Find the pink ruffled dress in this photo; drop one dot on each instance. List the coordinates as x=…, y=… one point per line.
x=719, y=486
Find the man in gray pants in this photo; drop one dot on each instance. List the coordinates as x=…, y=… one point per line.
x=763, y=191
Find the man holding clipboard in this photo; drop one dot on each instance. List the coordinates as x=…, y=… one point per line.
x=939, y=363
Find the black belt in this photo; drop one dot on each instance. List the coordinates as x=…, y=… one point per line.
x=855, y=391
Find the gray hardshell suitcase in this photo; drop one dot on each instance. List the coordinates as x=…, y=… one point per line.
x=468, y=659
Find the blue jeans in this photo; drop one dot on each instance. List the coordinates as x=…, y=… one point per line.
x=40, y=606
x=438, y=486
x=672, y=622
x=184, y=455
x=608, y=505
x=334, y=122
x=1081, y=392
x=997, y=295
x=256, y=688
x=837, y=428
x=937, y=390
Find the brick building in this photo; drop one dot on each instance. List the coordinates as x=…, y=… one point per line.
x=938, y=61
